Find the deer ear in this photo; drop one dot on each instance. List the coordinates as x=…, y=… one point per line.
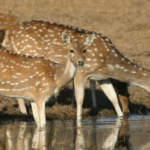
x=88, y=41
x=66, y=38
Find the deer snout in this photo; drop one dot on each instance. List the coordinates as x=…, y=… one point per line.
x=80, y=63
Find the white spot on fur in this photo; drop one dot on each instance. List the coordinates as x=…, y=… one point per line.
x=117, y=66
x=89, y=50
x=4, y=70
x=14, y=76
x=88, y=59
x=95, y=59
x=58, y=55
x=144, y=74
x=106, y=40
x=37, y=83
x=110, y=66
x=56, y=91
x=133, y=71
x=101, y=55
x=116, y=55
x=43, y=78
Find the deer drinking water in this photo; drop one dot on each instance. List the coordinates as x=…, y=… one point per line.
x=37, y=78
x=38, y=38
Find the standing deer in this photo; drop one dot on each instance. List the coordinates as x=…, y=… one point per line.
x=36, y=78
x=39, y=38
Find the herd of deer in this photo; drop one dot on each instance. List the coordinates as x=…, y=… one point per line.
x=38, y=58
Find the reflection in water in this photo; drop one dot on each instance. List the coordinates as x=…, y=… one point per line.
x=110, y=141
x=80, y=140
x=96, y=134
x=39, y=139
x=16, y=138
x=123, y=137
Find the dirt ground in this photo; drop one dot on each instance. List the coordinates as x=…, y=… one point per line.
x=126, y=23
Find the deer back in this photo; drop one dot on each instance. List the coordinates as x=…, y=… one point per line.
x=103, y=60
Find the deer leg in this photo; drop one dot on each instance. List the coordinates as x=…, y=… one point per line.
x=108, y=89
x=123, y=95
x=35, y=113
x=92, y=85
x=22, y=106
x=124, y=104
x=42, y=140
x=35, y=139
x=79, y=95
x=21, y=135
x=27, y=140
x=80, y=139
x=73, y=96
x=9, y=142
x=112, y=138
x=41, y=113
x=124, y=131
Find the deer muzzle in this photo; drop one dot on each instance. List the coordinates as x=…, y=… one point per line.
x=80, y=63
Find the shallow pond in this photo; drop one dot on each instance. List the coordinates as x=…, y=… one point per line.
x=105, y=133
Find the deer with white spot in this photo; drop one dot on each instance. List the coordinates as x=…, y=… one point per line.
x=39, y=38
x=37, y=78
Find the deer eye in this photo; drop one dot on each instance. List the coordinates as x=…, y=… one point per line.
x=84, y=50
x=72, y=51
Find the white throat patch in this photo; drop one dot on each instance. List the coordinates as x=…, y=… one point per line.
x=72, y=70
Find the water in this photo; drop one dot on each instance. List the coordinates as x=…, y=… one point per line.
x=106, y=133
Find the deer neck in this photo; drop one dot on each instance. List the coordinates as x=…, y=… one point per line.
x=65, y=72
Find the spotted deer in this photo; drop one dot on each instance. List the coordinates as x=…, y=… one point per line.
x=39, y=38
x=37, y=78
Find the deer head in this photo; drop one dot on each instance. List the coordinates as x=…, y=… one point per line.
x=76, y=48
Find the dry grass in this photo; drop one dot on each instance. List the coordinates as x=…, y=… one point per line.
x=68, y=111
